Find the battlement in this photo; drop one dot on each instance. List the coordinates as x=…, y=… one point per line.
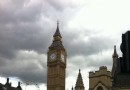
x=101, y=72
x=103, y=67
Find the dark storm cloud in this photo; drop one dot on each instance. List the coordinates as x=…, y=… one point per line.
x=28, y=73
x=27, y=66
x=16, y=11
x=25, y=38
x=14, y=40
x=19, y=28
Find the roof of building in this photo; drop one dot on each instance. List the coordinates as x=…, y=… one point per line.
x=8, y=86
x=79, y=82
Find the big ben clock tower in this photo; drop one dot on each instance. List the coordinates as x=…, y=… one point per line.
x=56, y=63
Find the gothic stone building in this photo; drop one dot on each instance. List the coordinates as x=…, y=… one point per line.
x=121, y=65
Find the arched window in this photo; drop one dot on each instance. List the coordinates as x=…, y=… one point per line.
x=99, y=88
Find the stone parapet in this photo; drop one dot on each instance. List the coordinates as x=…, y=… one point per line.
x=102, y=71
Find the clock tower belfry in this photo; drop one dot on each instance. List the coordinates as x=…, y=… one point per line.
x=56, y=63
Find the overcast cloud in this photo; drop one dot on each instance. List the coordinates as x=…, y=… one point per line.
x=89, y=29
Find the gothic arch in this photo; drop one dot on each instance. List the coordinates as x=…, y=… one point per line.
x=99, y=88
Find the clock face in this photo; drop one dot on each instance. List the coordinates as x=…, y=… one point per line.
x=63, y=57
x=53, y=56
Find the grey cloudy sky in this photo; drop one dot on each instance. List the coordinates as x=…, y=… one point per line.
x=90, y=29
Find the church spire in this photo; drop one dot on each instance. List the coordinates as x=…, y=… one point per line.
x=79, y=83
x=57, y=33
x=115, y=55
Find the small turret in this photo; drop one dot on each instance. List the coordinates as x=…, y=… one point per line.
x=115, y=55
x=19, y=87
x=7, y=82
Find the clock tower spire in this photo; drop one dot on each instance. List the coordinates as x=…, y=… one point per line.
x=57, y=43
x=57, y=33
x=56, y=63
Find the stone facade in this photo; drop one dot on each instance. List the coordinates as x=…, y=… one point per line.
x=100, y=79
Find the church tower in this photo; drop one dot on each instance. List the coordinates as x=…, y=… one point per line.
x=56, y=63
x=79, y=84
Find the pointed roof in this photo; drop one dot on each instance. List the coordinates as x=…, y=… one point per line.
x=57, y=42
x=115, y=52
x=79, y=82
x=57, y=33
